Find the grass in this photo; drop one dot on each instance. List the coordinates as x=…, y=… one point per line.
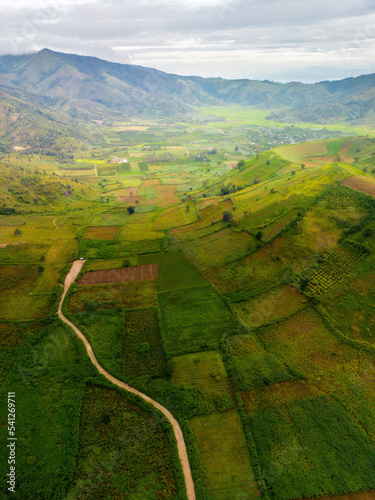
x=297, y=152
x=175, y=271
x=103, y=329
x=304, y=342
x=229, y=246
x=204, y=370
x=25, y=307
x=109, y=219
x=99, y=265
x=23, y=254
x=258, y=369
x=17, y=279
x=269, y=306
x=194, y=319
x=222, y=445
x=176, y=217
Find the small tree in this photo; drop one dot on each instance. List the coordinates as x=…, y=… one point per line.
x=143, y=347
x=259, y=235
x=303, y=166
x=304, y=282
x=227, y=217
x=17, y=232
x=130, y=209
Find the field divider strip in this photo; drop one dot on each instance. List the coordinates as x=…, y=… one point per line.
x=181, y=446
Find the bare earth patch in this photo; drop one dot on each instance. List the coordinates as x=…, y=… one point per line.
x=363, y=184
x=137, y=273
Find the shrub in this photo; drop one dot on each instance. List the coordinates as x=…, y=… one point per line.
x=223, y=401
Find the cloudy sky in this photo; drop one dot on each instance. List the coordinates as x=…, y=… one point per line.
x=305, y=40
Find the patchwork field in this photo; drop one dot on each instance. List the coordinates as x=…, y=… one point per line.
x=232, y=283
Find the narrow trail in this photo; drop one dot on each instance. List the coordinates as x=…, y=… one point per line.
x=70, y=278
x=186, y=149
x=96, y=171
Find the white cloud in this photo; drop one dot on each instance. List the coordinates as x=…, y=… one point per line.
x=231, y=38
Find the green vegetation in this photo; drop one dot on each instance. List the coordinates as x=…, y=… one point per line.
x=254, y=328
x=175, y=271
x=194, y=319
x=311, y=446
x=118, y=443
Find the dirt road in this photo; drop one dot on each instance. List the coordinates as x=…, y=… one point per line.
x=73, y=273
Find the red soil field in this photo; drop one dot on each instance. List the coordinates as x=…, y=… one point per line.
x=137, y=273
x=362, y=184
x=101, y=232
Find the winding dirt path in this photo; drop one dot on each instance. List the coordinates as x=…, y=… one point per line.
x=70, y=278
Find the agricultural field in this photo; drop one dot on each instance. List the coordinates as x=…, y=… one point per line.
x=118, y=442
x=194, y=319
x=229, y=275
x=222, y=445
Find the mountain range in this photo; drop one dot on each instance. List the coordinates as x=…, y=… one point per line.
x=62, y=90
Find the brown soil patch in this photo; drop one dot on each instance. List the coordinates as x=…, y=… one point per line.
x=101, y=232
x=363, y=184
x=137, y=273
x=131, y=200
x=151, y=182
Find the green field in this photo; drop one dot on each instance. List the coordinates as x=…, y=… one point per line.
x=222, y=445
x=175, y=271
x=194, y=319
x=257, y=334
